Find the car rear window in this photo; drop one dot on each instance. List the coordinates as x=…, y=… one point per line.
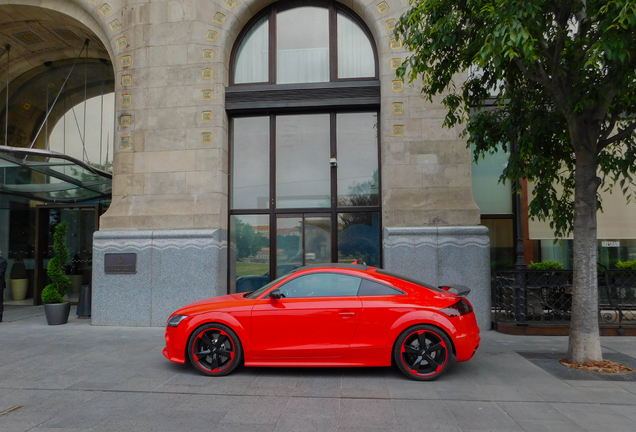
x=408, y=279
x=371, y=288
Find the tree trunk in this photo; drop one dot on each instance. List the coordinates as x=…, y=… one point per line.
x=585, y=342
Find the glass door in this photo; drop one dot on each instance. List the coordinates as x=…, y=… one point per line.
x=304, y=190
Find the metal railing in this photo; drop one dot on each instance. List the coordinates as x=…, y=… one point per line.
x=545, y=297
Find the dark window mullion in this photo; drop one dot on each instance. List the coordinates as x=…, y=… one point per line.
x=334, y=189
x=272, y=45
x=272, y=198
x=333, y=43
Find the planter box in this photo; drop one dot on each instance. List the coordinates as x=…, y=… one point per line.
x=57, y=313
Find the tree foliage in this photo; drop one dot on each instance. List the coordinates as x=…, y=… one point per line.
x=557, y=78
x=54, y=292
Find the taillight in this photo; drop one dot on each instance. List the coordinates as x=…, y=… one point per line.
x=462, y=307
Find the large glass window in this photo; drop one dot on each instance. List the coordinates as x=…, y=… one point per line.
x=302, y=43
x=319, y=41
x=491, y=196
x=304, y=170
x=250, y=163
x=252, y=57
x=355, y=53
x=302, y=161
x=249, y=252
x=357, y=137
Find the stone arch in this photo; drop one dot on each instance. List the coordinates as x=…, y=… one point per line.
x=81, y=19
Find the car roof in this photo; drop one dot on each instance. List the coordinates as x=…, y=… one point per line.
x=333, y=265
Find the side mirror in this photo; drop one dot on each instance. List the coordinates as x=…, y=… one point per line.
x=275, y=294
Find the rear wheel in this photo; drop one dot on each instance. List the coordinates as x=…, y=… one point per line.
x=423, y=352
x=214, y=350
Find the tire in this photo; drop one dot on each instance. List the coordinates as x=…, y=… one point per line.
x=215, y=350
x=423, y=364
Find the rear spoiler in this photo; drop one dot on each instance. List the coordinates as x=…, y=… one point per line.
x=458, y=290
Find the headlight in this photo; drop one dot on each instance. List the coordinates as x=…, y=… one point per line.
x=175, y=320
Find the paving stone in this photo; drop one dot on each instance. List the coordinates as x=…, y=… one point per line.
x=549, y=426
x=481, y=416
x=430, y=415
x=366, y=413
x=531, y=411
x=595, y=417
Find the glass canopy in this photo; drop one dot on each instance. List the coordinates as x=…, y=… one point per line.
x=51, y=177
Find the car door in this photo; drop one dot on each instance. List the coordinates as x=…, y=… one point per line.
x=316, y=318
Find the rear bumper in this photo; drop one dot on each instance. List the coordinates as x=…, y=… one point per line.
x=467, y=340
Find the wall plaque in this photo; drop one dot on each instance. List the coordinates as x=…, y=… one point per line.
x=125, y=263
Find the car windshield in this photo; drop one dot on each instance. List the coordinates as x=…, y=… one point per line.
x=264, y=288
x=408, y=279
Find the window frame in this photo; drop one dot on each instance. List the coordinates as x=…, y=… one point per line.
x=272, y=11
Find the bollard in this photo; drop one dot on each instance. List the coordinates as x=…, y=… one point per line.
x=84, y=304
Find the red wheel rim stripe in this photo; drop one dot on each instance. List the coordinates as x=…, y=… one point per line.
x=221, y=332
x=441, y=341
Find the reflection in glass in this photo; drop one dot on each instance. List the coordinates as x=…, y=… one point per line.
x=302, y=161
x=355, y=54
x=502, y=253
x=317, y=240
x=359, y=237
x=289, y=244
x=321, y=285
x=249, y=252
x=252, y=57
x=491, y=196
x=357, y=139
x=302, y=38
x=250, y=163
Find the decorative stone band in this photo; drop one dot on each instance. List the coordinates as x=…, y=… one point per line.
x=437, y=237
x=160, y=240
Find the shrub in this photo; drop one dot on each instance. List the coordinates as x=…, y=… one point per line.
x=545, y=265
x=18, y=271
x=54, y=292
x=626, y=265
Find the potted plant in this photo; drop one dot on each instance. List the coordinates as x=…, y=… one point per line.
x=55, y=308
x=19, y=280
x=625, y=276
x=546, y=275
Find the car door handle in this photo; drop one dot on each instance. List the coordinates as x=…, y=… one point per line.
x=347, y=314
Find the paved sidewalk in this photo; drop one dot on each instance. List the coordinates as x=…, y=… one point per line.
x=79, y=377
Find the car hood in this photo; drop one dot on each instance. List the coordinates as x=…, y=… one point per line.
x=225, y=302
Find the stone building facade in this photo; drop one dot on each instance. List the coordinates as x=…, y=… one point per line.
x=171, y=169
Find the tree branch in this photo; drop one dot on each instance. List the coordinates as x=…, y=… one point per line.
x=622, y=134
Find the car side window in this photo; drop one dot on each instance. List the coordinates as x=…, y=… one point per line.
x=371, y=288
x=321, y=285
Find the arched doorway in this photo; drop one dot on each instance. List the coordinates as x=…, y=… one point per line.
x=50, y=64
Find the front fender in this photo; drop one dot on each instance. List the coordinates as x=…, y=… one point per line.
x=179, y=336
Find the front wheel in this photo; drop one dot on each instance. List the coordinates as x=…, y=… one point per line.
x=214, y=350
x=423, y=352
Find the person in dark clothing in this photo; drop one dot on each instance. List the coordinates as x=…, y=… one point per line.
x=3, y=284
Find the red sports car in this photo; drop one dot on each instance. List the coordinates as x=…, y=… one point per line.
x=332, y=315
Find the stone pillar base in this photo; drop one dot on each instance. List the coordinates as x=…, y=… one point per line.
x=444, y=256
x=174, y=268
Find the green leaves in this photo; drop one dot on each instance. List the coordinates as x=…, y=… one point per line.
x=54, y=292
x=551, y=77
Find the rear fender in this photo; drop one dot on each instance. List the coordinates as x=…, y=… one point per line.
x=423, y=317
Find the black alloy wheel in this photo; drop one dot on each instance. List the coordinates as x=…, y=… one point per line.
x=214, y=350
x=423, y=352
